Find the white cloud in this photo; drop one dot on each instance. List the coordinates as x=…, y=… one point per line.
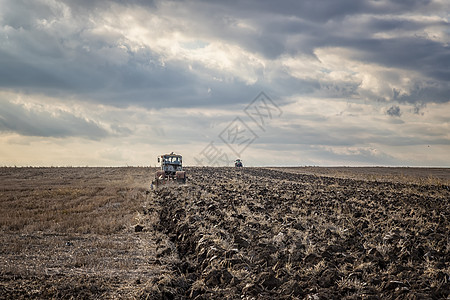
x=117, y=83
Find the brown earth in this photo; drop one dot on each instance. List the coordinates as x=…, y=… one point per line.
x=262, y=233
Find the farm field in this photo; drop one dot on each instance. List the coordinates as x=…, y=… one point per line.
x=251, y=233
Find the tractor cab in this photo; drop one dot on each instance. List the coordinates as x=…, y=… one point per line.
x=238, y=163
x=171, y=163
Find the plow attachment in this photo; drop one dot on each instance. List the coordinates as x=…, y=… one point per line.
x=161, y=178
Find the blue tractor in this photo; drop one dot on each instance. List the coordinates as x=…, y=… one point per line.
x=238, y=163
x=171, y=169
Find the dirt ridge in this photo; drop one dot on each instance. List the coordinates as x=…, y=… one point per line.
x=252, y=233
x=252, y=244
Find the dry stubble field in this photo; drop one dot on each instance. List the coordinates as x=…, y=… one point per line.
x=293, y=233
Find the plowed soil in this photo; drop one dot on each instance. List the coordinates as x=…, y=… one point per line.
x=251, y=233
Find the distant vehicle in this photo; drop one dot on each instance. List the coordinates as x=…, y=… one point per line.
x=238, y=163
x=171, y=169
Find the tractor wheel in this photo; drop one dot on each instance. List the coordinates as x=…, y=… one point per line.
x=181, y=176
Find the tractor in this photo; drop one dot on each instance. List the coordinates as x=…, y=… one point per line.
x=171, y=170
x=238, y=163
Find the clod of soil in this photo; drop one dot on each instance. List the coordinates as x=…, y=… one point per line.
x=285, y=233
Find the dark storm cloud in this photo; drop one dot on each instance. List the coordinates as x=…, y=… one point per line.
x=394, y=111
x=29, y=122
x=318, y=11
x=16, y=73
x=303, y=26
x=429, y=57
x=60, y=65
x=427, y=91
x=65, y=58
x=137, y=82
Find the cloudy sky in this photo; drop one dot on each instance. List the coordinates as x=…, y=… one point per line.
x=331, y=82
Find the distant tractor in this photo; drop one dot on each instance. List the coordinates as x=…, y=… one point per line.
x=238, y=163
x=171, y=169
